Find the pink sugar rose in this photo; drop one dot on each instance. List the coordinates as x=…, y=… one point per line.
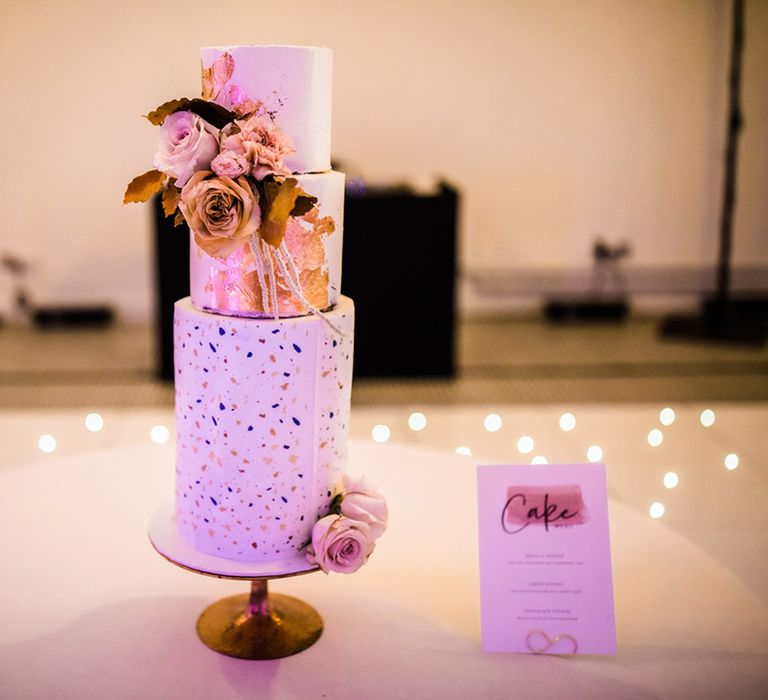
x=262, y=143
x=186, y=146
x=229, y=164
x=364, y=504
x=222, y=213
x=340, y=544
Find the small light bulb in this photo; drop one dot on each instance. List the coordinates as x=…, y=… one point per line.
x=159, y=434
x=567, y=422
x=94, y=422
x=655, y=437
x=595, y=453
x=667, y=416
x=707, y=417
x=380, y=433
x=417, y=421
x=671, y=480
x=492, y=422
x=525, y=444
x=539, y=459
x=47, y=443
x=731, y=461
x=656, y=510
x=463, y=451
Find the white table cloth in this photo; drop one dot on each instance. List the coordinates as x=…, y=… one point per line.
x=89, y=610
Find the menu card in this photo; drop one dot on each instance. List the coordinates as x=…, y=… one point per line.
x=545, y=559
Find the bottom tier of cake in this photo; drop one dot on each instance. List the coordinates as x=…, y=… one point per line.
x=262, y=413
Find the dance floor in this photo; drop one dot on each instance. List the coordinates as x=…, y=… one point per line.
x=90, y=610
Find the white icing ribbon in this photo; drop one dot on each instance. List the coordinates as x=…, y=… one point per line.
x=265, y=257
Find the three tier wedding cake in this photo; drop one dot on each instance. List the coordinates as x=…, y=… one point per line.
x=263, y=345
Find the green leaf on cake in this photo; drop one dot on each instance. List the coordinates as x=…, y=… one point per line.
x=170, y=199
x=141, y=188
x=279, y=200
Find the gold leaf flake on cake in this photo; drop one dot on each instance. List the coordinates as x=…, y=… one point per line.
x=217, y=76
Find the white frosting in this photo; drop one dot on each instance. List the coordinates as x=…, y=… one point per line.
x=329, y=190
x=262, y=413
x=294, y=83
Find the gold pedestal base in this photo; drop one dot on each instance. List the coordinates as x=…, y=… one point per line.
x=259, y=625
x=256, y=626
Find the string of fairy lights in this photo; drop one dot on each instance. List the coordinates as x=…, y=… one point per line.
x=492, y=423
x=94, y=423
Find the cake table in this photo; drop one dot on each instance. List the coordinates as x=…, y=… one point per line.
x=91, y=611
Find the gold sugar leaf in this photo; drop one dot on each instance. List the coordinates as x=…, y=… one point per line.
x=141, y=188
x=217, y=76
x=159, y=115
x=279, y=200
x=171, y=199
x=178, y=219
x=304, y=204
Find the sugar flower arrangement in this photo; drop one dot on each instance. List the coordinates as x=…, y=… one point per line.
x=343, y=539
x=219, y=166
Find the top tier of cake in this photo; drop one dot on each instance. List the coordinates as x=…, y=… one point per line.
x=294, y=85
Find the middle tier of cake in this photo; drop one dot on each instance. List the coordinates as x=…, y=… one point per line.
x=262, y=414
x=309, y=262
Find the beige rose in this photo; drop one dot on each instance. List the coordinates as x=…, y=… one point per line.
x=363, y=503
x=221, y=212
x=340, y=544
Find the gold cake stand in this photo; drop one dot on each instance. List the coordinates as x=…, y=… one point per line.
x=254, y=625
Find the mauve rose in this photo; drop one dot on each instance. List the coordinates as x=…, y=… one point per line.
x=363, y=503
x=221, y=212
x=262, y=143
x=340, y=544
x=186, y=146
x=229, y=164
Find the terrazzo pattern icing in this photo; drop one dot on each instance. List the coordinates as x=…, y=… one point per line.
x=262, y=413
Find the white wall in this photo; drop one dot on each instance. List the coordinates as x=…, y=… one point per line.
x=559, y=120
